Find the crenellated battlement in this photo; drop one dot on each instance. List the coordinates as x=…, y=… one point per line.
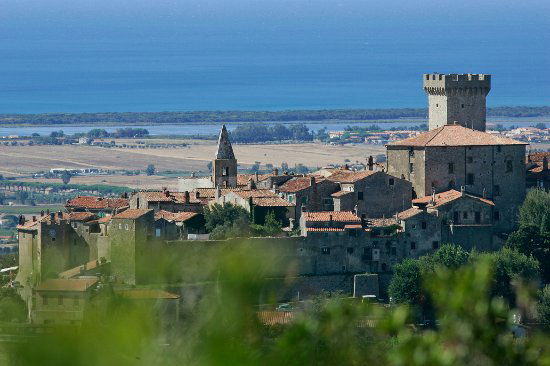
x=443, y=84
x=457, y=97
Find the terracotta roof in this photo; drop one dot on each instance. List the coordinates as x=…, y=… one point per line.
x=104, y=219
x=353, y=226
x=75, y=271
x=299, y=183
x=332, y=229
x=167, y=196
x=407, y=214
x=242, y=179
x=349, y=176
x=538, y=157
x=448, y=196
x=92, y=202
x=175, y=216
x=131, y=214
x=72, y=285
x=382, y=222
x=271, y=202
x=255, y=193
x=211, y=192
x=146, y=294
x=341, y=216
x=455, y=135
x=275, y=317
x=78, y=216
x=341, y=193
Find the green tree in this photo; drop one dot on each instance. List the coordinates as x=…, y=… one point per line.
x=406, y=283
x=12, y=307
x=22, y=196
x=543, y=307
x=535, y=209
x=224, y=221
x=150, y=170
x=66, y=177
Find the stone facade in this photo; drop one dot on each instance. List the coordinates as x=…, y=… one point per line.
x=456, y=97
x=224, y=166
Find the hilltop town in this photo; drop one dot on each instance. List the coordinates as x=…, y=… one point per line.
x=339, y=228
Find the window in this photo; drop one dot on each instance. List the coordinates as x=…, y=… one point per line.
x=496, y=190
x=411, y=168
x=499, y=148
x=465, y=215
x=437, y=105
x=462, y=105
x=325, y=250
x=349, y=250
x=75, y=225
x=424, y=225
x=470, y=159
x=477, y=216
x=225, y=171
x=496, y=215
x=391, y=182
x=451, y=168
x=470, y=178
x=411, y=152
x=455, y=217
x=44, y=300
x=509, y=166
x=157, y=232
x=413, y=245
x=120, y=226
x=435, y=245
x=360, y=196
x=60, y=300
x=127, y=227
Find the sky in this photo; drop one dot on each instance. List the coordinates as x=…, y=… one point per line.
x=119, y=55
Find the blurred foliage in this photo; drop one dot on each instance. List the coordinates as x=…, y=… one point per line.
x=12, y=307
x=222, y=326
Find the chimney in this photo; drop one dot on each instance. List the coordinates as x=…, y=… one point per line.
x=48, y=212
x=33, y=218
x=21, y=220
x=167, y=193
x=545, y=163
x=250, y=185
x=186, y=195
x=370, y=163
x=462, y=190
x=346, y=167
x=276, y=171
x=218, y=193
x=422, y=206
x=52, y=216
x=198, y=194
x=432, y=201
x=41, y=213
x=256, y=178
x=193, y=174
x=312, y=183
x=330, y=220
x=60, y=214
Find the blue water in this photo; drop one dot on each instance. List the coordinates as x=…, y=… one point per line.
x=162, y=55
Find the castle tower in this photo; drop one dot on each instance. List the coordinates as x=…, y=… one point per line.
x=224, y=166
x=457, y=97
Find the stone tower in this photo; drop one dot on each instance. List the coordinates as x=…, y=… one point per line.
x=460, y=98
x=224, y=166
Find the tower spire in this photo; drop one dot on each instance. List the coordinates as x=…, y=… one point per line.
x=225, y=150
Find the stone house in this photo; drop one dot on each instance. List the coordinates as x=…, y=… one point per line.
x=311, y=193
x=453, y=156
x=165, y=200
x=61, y=301
x=178, y=225
x=372, y=194
x=421, y=231
x=538, y=171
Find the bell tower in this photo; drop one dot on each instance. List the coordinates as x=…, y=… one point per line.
x=224, y=166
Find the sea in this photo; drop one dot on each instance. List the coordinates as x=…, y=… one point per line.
x=121, y=55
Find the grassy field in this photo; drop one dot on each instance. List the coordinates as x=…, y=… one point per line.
x=26, y=210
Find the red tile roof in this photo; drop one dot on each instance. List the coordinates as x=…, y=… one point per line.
x=72, y=285
x=340, y=216
x=382, y=222
x=407, y=214
x=341, y=193
x=242, y=179
x=167, y=196
x=349, y=176
x=271, y=202
x=538, y=157
x=175, y=216
x=145, y=294
x=98, y=203
x=299, y=183
x=353, y=226
x=255, y=193
x=455, y=135
x=211, y=192
x=448, y=196
x=131, y=214
x=78, y=216
x=331, y=229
